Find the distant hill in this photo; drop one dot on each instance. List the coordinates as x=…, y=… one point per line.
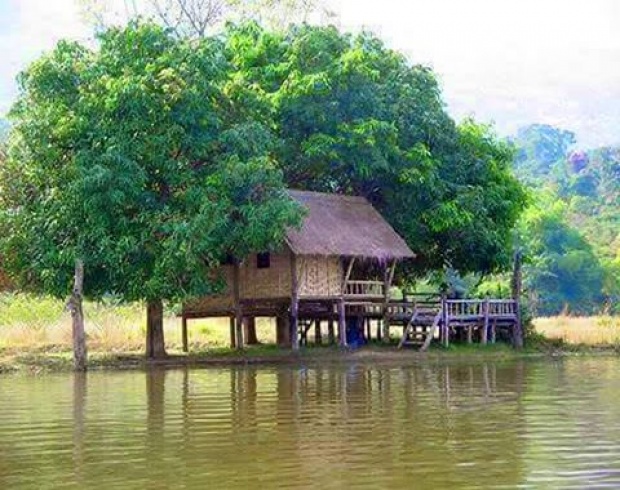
x=4, y=129
x=573, y=228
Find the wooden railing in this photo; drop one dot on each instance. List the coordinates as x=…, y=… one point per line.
x=364, y=289
x=472, y=309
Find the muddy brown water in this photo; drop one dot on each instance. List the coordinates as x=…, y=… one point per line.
x=535, y=424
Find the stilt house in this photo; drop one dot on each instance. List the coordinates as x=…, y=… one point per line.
x=343, y=258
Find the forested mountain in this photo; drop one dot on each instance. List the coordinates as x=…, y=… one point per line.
x=4, y=129
x=571, y=231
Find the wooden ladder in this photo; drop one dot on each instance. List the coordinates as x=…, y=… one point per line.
x=410, y=329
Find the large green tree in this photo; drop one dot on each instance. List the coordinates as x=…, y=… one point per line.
x=134, y=159
x=356, y=117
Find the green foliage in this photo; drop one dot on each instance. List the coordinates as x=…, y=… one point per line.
x=136, y=158
x=562, y=269
x=540, y=147
x=354, y=117
x=574, y=230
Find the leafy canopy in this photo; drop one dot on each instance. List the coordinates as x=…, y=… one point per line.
x=135, y=158
x=355, y=117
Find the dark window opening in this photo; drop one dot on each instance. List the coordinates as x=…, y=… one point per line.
x=228, y=260
x=263, y=260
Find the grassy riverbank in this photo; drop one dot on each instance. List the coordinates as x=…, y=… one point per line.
x=35, y=336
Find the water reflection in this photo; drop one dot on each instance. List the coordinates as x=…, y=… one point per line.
x=486, y=425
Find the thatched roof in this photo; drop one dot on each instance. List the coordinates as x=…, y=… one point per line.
x=344, y=226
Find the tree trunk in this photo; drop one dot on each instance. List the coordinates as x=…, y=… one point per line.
x=77, y=319
x=155, y=346
x=517, y=286
x=250, y=331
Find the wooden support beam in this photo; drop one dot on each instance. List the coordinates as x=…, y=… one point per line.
x=294, y=304
x=342, y=327
x=233, y=342
x=318, y=339
x=470, y=333
x=388, y=277
x=184, y=333
x=331, y=335
x=485, y=326
x=347, y=275
x=445, y=319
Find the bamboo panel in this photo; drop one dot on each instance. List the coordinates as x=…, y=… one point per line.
x=319, y=276
x=271, y=282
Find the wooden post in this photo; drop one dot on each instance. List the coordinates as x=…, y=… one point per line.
x=184, y=333
x=318, y=340
x=238, y=307
x=494, y=331
x=294, y=304
x=331, y=337
x=517, y=282
x=342, y=327
x=388, y=277
x=233, y=342
x=77, y=318
x=485, y=326
x=444, y=320
x=470, y=333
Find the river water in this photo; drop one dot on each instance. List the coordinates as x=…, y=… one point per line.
x=543, y=424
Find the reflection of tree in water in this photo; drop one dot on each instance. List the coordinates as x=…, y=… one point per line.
x=395, y=425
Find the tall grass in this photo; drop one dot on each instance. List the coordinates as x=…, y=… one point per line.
x=43, y=323
x=589, y=330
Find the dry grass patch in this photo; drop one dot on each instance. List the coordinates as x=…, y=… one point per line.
x=31, y=323
x=590, y=330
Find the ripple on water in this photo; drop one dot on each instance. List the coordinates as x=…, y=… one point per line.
x=489, y=425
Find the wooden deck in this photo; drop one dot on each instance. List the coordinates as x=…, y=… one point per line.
x=423, y=318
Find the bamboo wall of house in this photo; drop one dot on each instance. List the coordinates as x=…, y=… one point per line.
x=319, y=276
x=273, y=282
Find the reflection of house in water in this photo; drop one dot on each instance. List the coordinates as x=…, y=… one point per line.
x=307, y=425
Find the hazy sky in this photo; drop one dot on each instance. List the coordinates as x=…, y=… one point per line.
x=511, y=62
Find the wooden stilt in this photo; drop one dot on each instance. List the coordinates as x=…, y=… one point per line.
x=184, y=333
x=342, y=328
x=494, y=331
x=470, y=333
x=485, y=326
x=388, y=276
x=318, y=340
x=445, y=319
x=331, y=336
x=294, y=327
x=233, y=342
